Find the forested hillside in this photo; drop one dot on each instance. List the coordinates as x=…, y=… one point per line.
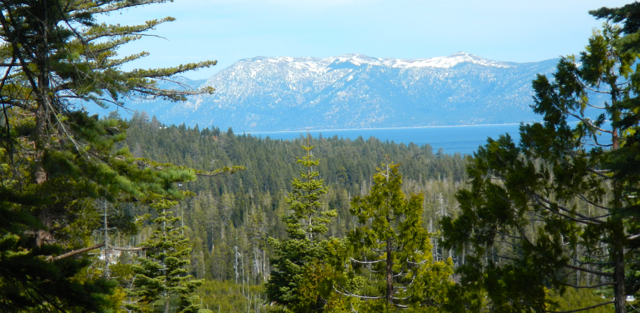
x=230, y=218
x=247, y=206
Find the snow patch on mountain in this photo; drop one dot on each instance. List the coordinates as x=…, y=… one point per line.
x=445, y=62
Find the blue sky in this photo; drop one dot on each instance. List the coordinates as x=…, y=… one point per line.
x=229, y=30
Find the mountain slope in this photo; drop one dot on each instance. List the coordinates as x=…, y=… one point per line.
x=356, y=91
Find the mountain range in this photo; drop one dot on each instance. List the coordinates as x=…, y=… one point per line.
x=355, y=91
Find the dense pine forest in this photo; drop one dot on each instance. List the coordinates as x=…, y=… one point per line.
x=347, y=166
x=231, y=217
x=107, y=214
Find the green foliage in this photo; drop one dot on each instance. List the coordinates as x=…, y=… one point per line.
x=295, y=282
x=574, y=299
x=556, y=211
x=628, y=16
x=50, y=286
x=306, y=220
x=55, y=160
x=227, y=296
x=161, y=277
x=239, y=212
x=392, y=250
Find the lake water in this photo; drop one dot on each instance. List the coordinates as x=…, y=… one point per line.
x=452, y=139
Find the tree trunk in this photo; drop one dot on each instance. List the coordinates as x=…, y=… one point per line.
x=166, y=305
x=618, y=272
x=389, y=275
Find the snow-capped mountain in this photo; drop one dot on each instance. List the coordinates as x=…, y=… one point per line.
x=357, y=91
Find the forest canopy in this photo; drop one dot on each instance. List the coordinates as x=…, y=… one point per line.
x=108, y=214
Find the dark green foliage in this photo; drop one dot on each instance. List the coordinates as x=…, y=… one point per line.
x=557, y=210
x=49, y=286
x=245, y=208
x=55, y=160
x=226, y=296
x=161, y=276
x=298, y=255
x=42, y=218
x=629, y=16
x=576, y=298
x=392, y=250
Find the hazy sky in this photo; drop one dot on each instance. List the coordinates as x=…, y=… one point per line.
x=229, y=30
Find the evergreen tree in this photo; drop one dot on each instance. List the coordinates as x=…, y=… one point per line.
x=54, y=158
x=558, y=210
x=161, y=277
x=392, y=250
x=625, y=158
x=297, y=258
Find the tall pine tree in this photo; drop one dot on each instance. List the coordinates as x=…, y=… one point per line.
x=294, y=282
x=392, y=251
x=54, y=158
x=161, y=276
x=559, y=209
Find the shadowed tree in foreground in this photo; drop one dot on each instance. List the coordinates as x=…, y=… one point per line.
x=559, y=209
x=55, y=160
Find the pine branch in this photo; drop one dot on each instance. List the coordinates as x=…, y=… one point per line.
x=348, y=294
x=588, y=287
x=589, y=271
x=366, y=262
x=584, y=219
x=83, y=250
x=74, y=252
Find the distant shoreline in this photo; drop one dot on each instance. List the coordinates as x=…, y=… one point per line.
x=368, y=129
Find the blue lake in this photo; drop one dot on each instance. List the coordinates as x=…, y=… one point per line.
x=452, y=139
